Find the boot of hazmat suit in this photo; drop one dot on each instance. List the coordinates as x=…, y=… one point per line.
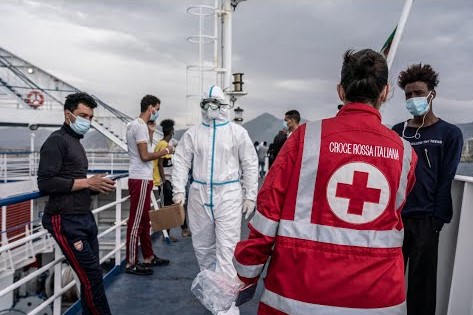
x=225, y=182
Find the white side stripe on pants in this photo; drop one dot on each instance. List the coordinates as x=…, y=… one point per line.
x=136, y=223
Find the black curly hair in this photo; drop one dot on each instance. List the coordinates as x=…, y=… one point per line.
x=149, y=100
x=168, y=126
x=73, y=101
x=418, y=72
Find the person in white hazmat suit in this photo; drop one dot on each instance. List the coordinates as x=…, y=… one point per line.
x=225, y=182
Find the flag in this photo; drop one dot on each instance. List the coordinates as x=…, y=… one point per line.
x=387, y=44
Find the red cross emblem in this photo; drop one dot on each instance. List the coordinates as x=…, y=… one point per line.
x=358, y=192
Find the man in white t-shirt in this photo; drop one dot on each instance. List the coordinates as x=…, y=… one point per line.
x=140, y=184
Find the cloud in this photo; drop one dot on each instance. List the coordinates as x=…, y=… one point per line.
x=290, y=51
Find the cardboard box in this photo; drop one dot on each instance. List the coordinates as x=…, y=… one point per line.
x=167, y=217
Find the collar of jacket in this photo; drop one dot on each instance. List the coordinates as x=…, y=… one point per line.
x=71, y=132
x=359, y=108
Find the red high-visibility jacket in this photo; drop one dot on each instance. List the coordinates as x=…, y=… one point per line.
x=328, y=215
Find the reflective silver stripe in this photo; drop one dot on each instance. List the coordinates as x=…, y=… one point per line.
x=295, y=307
x=247, y=271
x=406, y=165
x=341, y=236
x=264, y=225
x=307, y=177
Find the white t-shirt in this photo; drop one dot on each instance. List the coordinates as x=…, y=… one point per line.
x=137, y=132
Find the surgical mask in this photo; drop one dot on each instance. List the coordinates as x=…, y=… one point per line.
x=418, y=106
x=80, y=126
x=213, y=113
x=154, y=116
x=284, y=124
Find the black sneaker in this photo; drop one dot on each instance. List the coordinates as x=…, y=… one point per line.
x=156, y=261
x=139, y=270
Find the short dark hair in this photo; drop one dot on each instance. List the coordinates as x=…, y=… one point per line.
x=149, y=100
x=418, y=72
x=364, y=75
x=168, y=126
x=294, y=114
x=73, y=101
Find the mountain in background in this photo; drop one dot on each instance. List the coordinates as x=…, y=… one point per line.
x=18, y=138
x=467, y=130
x=262, y=128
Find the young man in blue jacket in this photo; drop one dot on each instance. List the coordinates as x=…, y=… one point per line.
x=438, y=145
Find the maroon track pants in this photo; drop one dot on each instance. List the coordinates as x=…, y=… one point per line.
x=138, y=227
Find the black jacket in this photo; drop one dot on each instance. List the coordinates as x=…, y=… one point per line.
x=63, y=159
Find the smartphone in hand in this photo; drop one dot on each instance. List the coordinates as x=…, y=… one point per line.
x=245, y=294
x=117, y=176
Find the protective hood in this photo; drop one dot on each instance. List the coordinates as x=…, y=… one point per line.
x=220, y=115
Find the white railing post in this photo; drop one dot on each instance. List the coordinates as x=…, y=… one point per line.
x=5, y=170
x=92, y=158
x=4, y=226
x=57, y=281
x=111, y=161
x=118, y=220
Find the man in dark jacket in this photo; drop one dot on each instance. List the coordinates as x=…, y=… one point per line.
x=67, y=216
x=276, y=146
x=438, y=145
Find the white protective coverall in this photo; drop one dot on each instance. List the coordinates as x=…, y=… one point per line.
x=225, y=173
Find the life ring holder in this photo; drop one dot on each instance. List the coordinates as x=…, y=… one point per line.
x=35, y=99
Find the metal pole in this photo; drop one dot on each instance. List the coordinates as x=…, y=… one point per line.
x=32, y=135
x=4, y=226
x=216, y=19
x=399, y=31
x=57, y=281
x=201, y=52
x=227, y=44
x=118, y=220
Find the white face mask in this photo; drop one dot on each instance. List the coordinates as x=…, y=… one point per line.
x=213, y=113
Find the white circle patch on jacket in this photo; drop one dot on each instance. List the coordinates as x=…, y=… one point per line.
x=358, y=193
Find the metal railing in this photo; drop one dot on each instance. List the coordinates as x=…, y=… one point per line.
x=40, y=235
x=16, y=166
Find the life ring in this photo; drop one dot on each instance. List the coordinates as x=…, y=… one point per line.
x=35, y=99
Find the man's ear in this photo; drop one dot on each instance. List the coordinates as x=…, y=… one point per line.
x=432, y=96
x=341, y=92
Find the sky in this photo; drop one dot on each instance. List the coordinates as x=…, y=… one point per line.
x=290, y=51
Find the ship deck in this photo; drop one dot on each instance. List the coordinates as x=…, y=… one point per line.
x=168, y=290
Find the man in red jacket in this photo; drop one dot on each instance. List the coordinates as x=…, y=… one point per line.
x=328, y=213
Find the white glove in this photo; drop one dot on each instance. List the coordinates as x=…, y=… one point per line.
x=179, y=198
x=248, y=207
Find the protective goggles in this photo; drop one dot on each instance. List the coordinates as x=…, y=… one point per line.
x=213, y=103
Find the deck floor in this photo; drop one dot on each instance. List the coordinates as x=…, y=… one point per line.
x=167, y=291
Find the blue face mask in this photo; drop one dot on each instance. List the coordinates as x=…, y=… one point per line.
x=284, y=124
x=418, y=106
x=154, y=116
x=80, y=126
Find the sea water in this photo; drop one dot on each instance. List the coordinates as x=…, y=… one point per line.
x=465, y=169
